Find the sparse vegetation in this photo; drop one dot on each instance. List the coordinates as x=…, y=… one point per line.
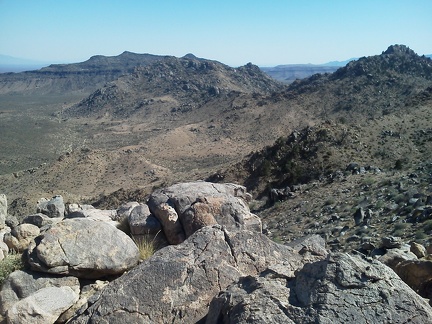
x=13, y=261
x=146, y=246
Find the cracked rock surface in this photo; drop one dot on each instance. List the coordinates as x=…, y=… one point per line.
x=340, y=289
x=184, y=278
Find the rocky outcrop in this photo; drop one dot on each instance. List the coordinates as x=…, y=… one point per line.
x=83, y=248
x=339, y=289
x=185, y=277
x=184, y=208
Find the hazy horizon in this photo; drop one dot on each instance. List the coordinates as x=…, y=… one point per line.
x=234, y=33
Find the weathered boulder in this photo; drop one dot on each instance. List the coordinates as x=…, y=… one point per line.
x=54, y=207
x=40, y=220
x=83, y=248
x=3, y=210
x=22, y=284
x=417, y=274
x=44, y=306
x=341, y=289
x=144, y=225
x=94, y=214
x=21, y=236
x=391, y=242
x=418, y=249
x=185, y=277
x=123, y=212
x=184, y=208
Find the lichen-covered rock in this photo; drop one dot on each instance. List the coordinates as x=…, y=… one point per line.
x=178, y=282
x=341, y=289
x=83, y=248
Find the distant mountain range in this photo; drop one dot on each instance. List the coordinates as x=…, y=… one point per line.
x=286, y=73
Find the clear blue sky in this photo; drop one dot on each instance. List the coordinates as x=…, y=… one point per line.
x=234, y=32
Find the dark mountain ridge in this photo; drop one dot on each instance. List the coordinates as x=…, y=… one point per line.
x=85, y=76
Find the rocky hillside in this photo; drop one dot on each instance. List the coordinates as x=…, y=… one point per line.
x=82, y=77
x=182, y=84
x=367, y=88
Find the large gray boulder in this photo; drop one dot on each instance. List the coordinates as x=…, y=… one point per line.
x=83, y=248
x=22, y=284
x=3, y=210
x=178, y=282
x=184, y=208
x=43, y=307
x=341, y=289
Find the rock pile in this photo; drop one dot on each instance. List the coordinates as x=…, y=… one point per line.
x=219, y=267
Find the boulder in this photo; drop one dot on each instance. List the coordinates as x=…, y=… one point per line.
x=22, y=284
x=3, y=210
x=340, y=289
x=123, y=212
x=391, y=242
x=83, y=248
x=53, y=208
x=184, y=208
x=418, y=249
x=44, y=307
x=40, y=220
x=417, y=274
x=94, y=214
x=21, y=236
x=144, y=225
x=178, y=282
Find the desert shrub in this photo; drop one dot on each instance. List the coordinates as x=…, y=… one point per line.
x=399, y=233
x=399, y=229
x=398, y=164
x=146, y=246
x=367, y=181
x=420, y=235
x=427, y=225
x=13, y=261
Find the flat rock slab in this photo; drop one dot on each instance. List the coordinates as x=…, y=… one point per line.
x=177, y=283
x=83, y=248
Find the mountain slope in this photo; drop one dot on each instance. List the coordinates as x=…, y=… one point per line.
x=182, y=83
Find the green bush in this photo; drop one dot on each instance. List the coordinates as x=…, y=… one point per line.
x=12, y=262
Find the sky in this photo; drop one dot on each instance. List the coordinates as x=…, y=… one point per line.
x=234, y=32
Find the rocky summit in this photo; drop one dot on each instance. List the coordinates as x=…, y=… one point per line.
x=164, y=189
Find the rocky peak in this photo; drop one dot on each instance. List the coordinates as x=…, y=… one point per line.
x=399, y=49
x=396, y=60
